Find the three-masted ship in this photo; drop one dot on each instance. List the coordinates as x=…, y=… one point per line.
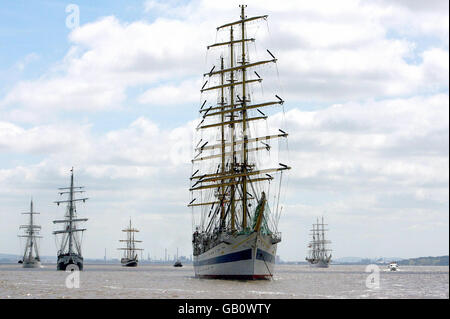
x=31, y=257
x=234, y=228
x=130, y=258
x=319, y=253
x=69, y=252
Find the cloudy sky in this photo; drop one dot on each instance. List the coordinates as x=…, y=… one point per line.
x=367, y=110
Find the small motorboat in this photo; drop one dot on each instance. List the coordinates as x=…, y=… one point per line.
x=393, y=266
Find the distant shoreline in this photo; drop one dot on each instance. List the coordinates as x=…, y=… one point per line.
x=419, y=261
x=281, y=264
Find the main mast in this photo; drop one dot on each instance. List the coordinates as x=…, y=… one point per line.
x=244, y=123
x=222, y=131
x=233, y=137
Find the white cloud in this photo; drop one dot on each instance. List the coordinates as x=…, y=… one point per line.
x=325, y=52
x=418, y=18
x=26, y=60
x=436, y=69
x=405, y=141
x=105, y=59
x=43, y=140
x=142, y=144
x=185, y=92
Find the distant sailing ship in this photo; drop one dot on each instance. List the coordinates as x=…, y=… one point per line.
x=178, y=262
x=235, y=233
x=31, y=257
x=319, y=253
x=69, y=252
x=130, y=258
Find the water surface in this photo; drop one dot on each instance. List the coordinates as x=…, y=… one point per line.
x=166, y=281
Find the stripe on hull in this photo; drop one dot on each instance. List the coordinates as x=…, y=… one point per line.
x=319, y=265
x=265, y=256
x=237, y=256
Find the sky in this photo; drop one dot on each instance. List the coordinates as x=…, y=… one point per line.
x=366, y=93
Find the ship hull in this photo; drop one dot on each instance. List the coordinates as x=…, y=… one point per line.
x=244, y=257
x=320, y=264
x=31, y=264
x=129, y=262
x=67, y=260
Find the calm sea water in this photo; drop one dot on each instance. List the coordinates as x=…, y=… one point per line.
x=164, y=281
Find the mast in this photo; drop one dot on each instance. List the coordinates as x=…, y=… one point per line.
x=222, y=141
x=244, y=124
x=323, y=239
x=31, y=232
x=314, y=252
x=233, y=138
x=131, y=242
x=70, y=243
x=71, y=212
x=227, y=188
x=319, y=248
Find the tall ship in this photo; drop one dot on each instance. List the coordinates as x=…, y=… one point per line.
x=319, y=253
x=31, y=257
x=130, y=258
x=236, y=169
x=178, y=262
x=70, y=236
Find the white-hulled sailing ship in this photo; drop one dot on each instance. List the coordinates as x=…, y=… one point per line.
x=319, y=253
x=235, y=231
x=31, y=257
x=130, y=258
x=69, y=252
